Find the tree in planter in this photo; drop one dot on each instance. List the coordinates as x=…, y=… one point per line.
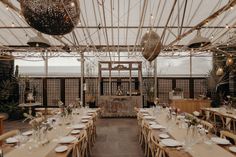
x=217, y=86
x=9, y=98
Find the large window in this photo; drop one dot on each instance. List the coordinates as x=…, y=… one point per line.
x=181, y=65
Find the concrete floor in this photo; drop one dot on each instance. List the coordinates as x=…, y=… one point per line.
x=117, y=138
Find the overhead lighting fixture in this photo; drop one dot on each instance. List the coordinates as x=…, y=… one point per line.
x=198, y=41
x=229, y=61
x=219, y=71
x=38, y=41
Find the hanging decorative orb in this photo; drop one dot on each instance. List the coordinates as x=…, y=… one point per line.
x=54, y=17
x=151, y=45
x=229, y=61
x=219, y=71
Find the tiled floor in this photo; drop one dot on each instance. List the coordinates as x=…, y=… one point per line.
x=116, y=137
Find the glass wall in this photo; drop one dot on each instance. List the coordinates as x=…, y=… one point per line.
x=181, y=65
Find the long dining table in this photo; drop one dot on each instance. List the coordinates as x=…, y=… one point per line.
x=200, y=149
x=32, y=149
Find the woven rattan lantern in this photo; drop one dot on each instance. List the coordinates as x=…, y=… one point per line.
x=54, y=17
x=151, y=45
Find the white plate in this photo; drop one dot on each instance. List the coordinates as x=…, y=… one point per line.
x=152, y=123
x=86, y=117
x=164, y=136
x=75, y=132
x=84, y=120
x=219, y=140
x=78, y=126
x=143, y=110
x=232, y=149
x=11, y=140
x=67, y=139
x=170, y=142
x=27, y=133
x=157, y=126
x=145, y=114
x=61, y=149
x=90, y=113
x=149, y=117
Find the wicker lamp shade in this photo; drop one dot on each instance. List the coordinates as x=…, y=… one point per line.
x=53, y=17
x=151, y=45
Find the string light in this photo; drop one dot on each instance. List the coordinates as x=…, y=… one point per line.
x=231, y=8
x=229, y=61
x=12, y=24
x=152, y=16
x=72, y=4
x=227, y=26
x=7, y=8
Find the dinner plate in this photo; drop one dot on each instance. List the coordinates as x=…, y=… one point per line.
x=152, y=123
x=75, y=132
x=157, y=126
x=219, y=140
x=143, y=110
x=86, y=117
x=67, y=139
x=28, y=133
x=149, y=117
x=78, y=126
x=170, y=142
x=145, y=114
x=84, y=120
x=164, y=136
x=232, y=149
x=11, y=140
x=90, y=113
x=61, y=149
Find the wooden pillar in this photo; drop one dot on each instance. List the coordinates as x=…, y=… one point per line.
x=62, y=82
x=82, y=78
x=155, y=78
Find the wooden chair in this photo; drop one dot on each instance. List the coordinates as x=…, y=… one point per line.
x=146, y=131
x=8, y=134
x=94, y=130
x=140, y=123
x=158, y=150
x=89, y=131
x=227, y=134
x=79, y=148
x=208, y=126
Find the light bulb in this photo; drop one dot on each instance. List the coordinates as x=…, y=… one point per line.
x=219, y=71
x=229, y=61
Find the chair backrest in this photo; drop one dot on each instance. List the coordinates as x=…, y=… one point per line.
x=9, y=134
x=79, y=148
x=224, y=134
x=158, y=150
x=146, y=131
x=207, y=125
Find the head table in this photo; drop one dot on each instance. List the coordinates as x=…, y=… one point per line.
x=199, y=149
x=31, y=148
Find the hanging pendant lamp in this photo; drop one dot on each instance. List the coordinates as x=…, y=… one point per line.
x=198, y=41
x=38, y=41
